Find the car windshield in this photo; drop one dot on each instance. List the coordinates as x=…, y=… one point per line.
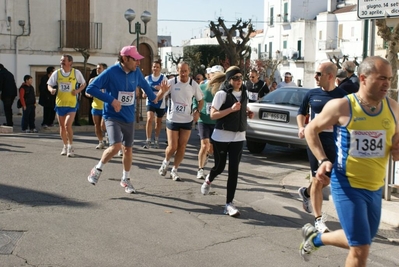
x=285, y=96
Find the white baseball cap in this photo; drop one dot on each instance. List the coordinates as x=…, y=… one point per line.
x=217, y=68
x=208, y=70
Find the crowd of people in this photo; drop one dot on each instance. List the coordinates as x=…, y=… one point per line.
x=351, y=133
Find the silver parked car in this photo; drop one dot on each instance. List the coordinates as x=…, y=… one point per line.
x=274, y=120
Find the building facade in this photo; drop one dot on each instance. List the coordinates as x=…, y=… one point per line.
x=34, y=34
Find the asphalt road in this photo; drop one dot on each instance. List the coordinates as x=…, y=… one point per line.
x=51, y=216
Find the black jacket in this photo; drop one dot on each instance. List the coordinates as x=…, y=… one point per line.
x=29, y=94
x=260, y=87
x=349, y=86
x=46, y=99
x=235, y=121
x=8, y=86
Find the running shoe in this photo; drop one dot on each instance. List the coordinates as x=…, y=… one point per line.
x=230, y=210
x=307, y=246
x=128, y=186
x=120, y=153
x=70, y=152
x=320, y=224
x=147, y=145
x=100, y=145
x=200, y=174
x=94, y=175
x=64, y=151
x=174, y=176
x=164, y=169
x=35, y=131
x=156, y=144
x=206, y=186
x=306, y=204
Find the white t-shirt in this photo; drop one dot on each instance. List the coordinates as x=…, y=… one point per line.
x=181, y=100
x=284, y=84
x=220, y=135
x=52, y=81
x=155, y=79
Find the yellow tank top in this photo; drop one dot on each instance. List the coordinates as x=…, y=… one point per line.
x=364, y=145
x=97, y=103
x=66, y=84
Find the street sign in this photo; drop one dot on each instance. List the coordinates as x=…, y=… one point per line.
x=374, y=9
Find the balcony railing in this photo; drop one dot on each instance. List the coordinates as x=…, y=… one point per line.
x=80, y=34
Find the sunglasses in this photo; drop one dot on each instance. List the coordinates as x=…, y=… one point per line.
x=318, y=73
x=252, y=77
x=236, y=78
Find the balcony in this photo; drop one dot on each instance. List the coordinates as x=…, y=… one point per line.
x=330, y=44
x=80, y=34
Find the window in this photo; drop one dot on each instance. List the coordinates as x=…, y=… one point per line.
x=284, y=44
x=285, y=17
x=271, y=16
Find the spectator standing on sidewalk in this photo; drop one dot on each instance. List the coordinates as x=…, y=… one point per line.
x=366, y=132
x=121, y=82
x=315, y=99
x=28, y=101
x=8, y=89
x=287, y=81
x=47, y=100
x=229, y=109
x=66, y=79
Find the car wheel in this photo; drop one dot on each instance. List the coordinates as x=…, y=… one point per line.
x=255, y=147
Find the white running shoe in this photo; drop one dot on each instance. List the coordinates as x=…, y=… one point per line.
x=94, y=175
x=206, y=186
x=120, y=153
x=174, y=176
x=64, y=151
x=200, y=174
x=70, y=152
x=100, y=145
x=320, y=225
x=307, y=246
x=306, y=204
x=164, y=169
x=230, y=210
x=128, y=186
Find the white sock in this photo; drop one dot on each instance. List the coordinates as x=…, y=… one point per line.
x=166, y=162
x=174, y=169
x=100, y=165
x=125, y=175
x=148, y=140
x=69, y=145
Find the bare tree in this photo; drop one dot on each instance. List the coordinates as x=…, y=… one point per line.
x=86, y=55
x=266, y=67
x=233, y=47
x=174, y=59
x=392, y=39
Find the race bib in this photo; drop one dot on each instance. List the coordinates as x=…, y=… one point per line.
x=367, y=144
x=65, y=87
x=126, y=98
x=180, y=108
x=208, y=108
x=253, y=96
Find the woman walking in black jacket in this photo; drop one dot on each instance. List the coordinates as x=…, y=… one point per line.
x=229, y=109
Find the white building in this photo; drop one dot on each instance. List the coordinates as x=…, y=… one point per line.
x=34, y=34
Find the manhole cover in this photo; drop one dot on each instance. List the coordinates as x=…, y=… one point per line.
x=8, y=241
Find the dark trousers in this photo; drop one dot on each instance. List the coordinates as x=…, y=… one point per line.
x=48, y=116
x=220, y=151
x=7, y=102
x=28, y=117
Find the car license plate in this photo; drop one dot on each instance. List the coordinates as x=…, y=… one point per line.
x=274, y=116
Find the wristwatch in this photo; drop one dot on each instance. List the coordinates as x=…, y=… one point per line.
x=322, y=160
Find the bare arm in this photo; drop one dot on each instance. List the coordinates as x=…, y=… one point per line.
x=300, y=121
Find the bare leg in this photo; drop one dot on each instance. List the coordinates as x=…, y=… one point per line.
x=184, y=135
x=70, y=117
x=98, y=127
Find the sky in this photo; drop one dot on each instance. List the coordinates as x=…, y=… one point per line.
x=194, y=15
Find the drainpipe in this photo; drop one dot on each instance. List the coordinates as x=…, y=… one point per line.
x=22, y=24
